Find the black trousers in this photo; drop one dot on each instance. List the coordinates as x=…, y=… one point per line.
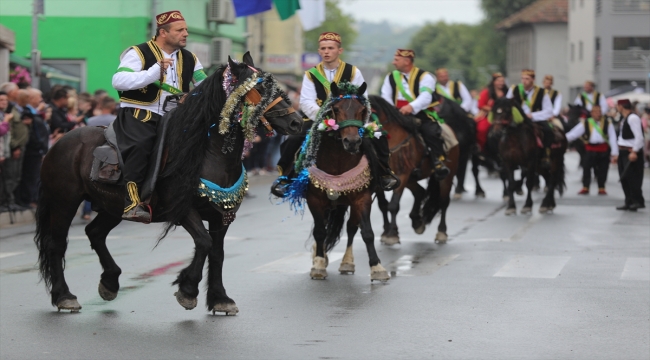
x=291, y=146
x=633, y=179
x=547, y=133
x=136, y=135
x=599, y=162
x=432, y=133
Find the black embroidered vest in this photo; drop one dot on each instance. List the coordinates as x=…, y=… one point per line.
x=626, y=130
x=321, y=92
x=150, y=54
x=603, y=123
x=552, y=94
x=536, y=101
x=584, y=101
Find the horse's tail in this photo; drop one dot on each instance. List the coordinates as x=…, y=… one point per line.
x=432, y=203
x=560, y=175
x=335, y=221
x=43, y=237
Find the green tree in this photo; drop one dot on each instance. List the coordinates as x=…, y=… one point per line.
x=497, y=10
x=335, y=21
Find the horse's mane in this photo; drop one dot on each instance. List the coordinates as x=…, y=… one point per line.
x=187, y=141
x=392, y=114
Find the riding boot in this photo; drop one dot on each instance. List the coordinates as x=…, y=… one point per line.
x=389, y=181
x=134, y=210
x=440, y=171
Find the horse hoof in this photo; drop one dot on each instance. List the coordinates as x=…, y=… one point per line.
x=378, y=272
x=313, y=254
x=346, y=268
x=543, y=210
x=441, y=238
x=230, y=309
x=186, y=302
x=420, y=229
x=506, y=198
x=480, y=195
x=389, y=240
x=526, y=211
x=105, y=293
x=318, y=270
x=457, y=196
x=536, y=188
x=519, y=192
x=69, y=304
x=511, y=211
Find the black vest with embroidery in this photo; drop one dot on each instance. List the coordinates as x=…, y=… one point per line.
x=536, y=103
x=626, y=130
x=416, y=85
x=455, y=94
x=321, y=92
x=553, y=95
x=150, y=54
x=585, y=101
x=603, y=123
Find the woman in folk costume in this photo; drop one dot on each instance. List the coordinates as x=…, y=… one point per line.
x=495, y=90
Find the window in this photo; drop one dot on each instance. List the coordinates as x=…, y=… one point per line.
x=631, y=6
x=580, y=51
x=629, y=43
x=597, y=52
x=573, y=50
x=629, y=52
x=73, y=73
x=599, y=6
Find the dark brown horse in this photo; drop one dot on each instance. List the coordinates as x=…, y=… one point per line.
x=339, y=153
x=407, y=154
x=518, y=149
x=196, y=151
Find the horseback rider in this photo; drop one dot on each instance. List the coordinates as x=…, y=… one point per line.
x=590, y=96
x=556, y=96
x=453, y=90
x=409, y=89
x=143, y=68
x=315, y=89
x=537, y=105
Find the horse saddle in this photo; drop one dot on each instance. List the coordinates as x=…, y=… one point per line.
x=107, y=162
x=448, y=136
x=558, y=135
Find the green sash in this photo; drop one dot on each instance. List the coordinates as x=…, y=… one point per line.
x=440, y=90
x=170, y=89
x=320, y=78
x=400, y=87
x=595, y=125
x=524, y=97
x=585, y=96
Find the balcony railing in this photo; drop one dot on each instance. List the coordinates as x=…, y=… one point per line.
x=631, y=6
x=629, y=59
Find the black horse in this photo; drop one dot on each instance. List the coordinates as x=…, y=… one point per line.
x=518, y=149
x=196, y=151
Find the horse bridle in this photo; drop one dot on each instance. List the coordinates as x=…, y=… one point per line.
x=254, y=97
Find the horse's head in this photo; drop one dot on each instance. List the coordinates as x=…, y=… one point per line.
x=576, y=112
x=275, y=110
x=506, y=113
x=350, y=113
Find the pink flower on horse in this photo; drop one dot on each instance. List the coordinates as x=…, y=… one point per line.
x=328, y=125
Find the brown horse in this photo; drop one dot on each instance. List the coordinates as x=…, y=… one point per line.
x=196, y=153
x=518, y=149
x=340, y=153
x=407, y=154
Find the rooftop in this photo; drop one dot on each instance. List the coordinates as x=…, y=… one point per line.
x=541, y=11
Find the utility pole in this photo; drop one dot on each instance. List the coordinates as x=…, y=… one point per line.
x=38, y=9
x=154, y=12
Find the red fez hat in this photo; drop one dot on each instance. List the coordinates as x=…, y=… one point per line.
x=624, y=102
x=168, y=18
x=407, y=53
x=331, y=36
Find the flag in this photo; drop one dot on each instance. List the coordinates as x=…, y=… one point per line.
x=312, y=13
x=286, y=8
x=251, y=7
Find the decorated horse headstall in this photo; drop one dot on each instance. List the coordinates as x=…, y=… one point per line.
x=517, y=117
x=246, y=106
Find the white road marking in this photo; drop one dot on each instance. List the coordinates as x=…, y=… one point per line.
x=538, y=267
x=636, y=269
x=298, y=263
x=8, y=254
x=409, y=265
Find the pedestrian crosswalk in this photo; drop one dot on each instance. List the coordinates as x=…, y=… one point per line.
x=428, y=263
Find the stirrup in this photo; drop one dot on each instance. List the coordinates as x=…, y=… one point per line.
x=441, y=171
x=390, y=182
x=140, y=213
x=279, y=186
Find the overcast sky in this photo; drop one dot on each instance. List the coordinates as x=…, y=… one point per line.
x=414, y=12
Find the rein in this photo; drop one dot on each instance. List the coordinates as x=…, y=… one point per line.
x=254, y=97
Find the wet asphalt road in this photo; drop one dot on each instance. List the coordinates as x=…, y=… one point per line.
x=571, y=285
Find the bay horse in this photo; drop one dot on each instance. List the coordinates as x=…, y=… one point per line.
x=408, y=152
x=518, y=148
x=196, y=152
x=338, y=157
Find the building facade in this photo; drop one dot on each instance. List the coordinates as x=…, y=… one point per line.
x=84, y=39
x=609, y=43
x=537, y=36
